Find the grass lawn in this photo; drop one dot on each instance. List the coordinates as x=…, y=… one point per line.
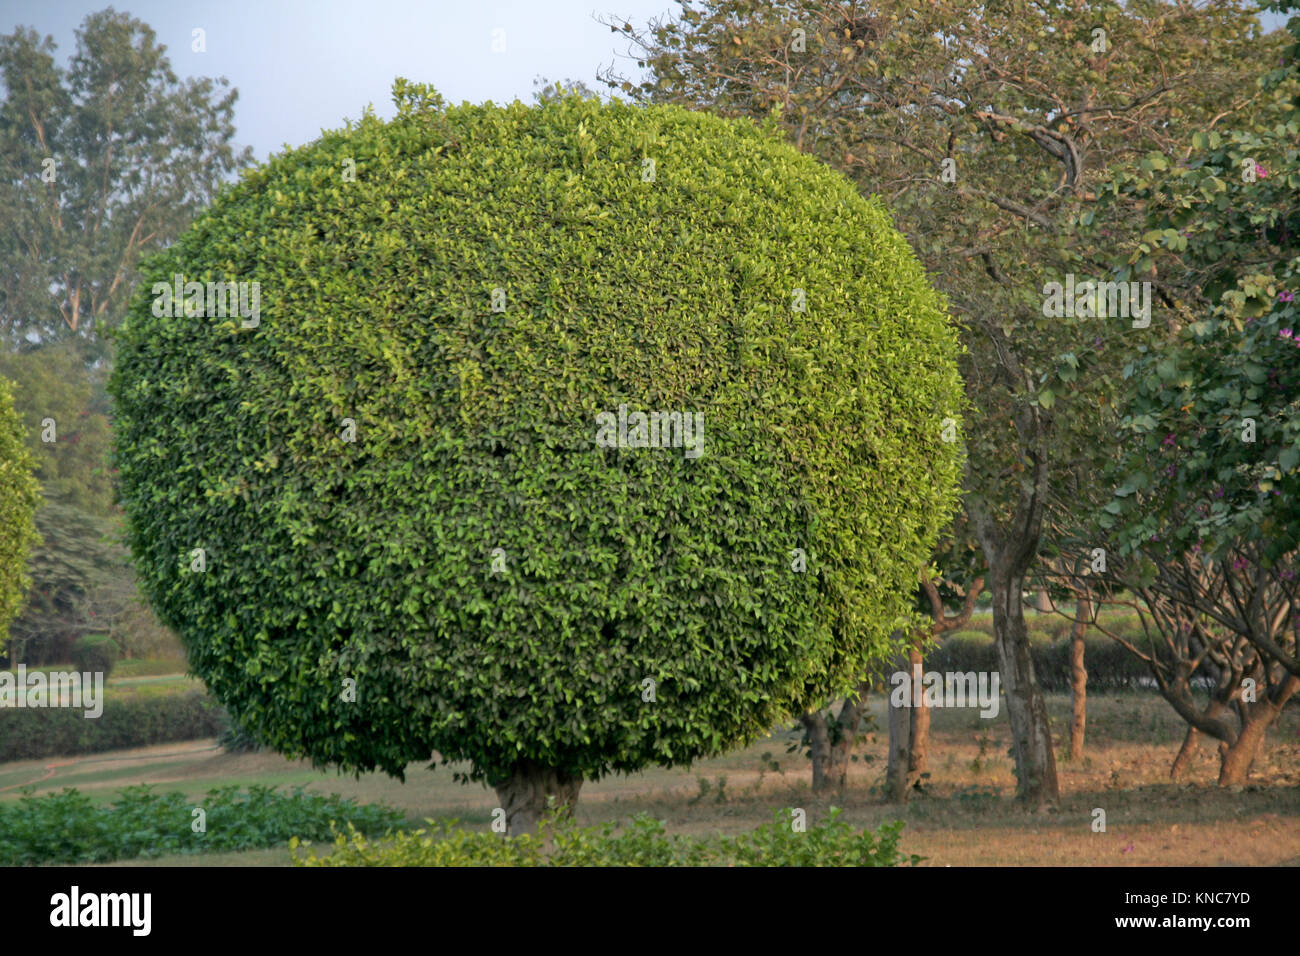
x=965, y=816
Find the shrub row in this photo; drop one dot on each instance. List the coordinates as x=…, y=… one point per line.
x=1109, y=665
x=28, y=733
x=642, y=843
x=67, y=828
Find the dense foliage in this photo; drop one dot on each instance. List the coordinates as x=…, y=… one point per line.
x=1214, y=417
x=67, y=827
x=19, y=495
x=642, y=843
x=135, y=720
x=499, y=586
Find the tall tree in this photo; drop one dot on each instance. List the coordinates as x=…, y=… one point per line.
x=988, y=128
x=99, y=163
x=1205, y=510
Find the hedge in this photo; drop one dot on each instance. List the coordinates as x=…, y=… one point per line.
x=30, y=733
x=1109, y=665
x=643, y=842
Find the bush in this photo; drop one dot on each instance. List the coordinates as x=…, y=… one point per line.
x=642, y=843
x=436, y=506
x=67, y=828
x=29, y=733
x=95, y=653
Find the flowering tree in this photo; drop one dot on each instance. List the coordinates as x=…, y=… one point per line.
x=1205, y=511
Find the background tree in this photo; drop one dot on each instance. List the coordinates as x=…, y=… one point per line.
x=64, y=412
x=1205, y=506
x=499, y=586
x=77, y=560
x=99, y=163
x=988, y=128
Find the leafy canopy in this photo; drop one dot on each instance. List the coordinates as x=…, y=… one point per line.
x=644, y=606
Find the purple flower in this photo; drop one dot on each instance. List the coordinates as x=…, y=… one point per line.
x=1285, y=333
x=1286, y=295
x=1171, y=470
x=1218, y=493
x=1169, y=439
x=1260, y=171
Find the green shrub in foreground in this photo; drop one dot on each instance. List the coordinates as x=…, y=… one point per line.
x=67, y=828
x=642, y=843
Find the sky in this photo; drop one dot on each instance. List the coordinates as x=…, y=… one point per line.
x=305, y=65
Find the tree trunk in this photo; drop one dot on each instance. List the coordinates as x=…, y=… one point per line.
x=1192, y=741
x=830, y=740
x=1042, y=601
x=819, y=748
x=1237, y=759
x=525, y=793
x=1031, y=736
x=1078, y=678
x=897, y=770
x=919, y=738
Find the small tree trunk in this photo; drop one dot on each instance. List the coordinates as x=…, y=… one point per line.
x=1192, y=741
x=919, y=736
x=900, y=751
x=901, y=725
x=525, y=793
x=819, y=748
x=830, y=740
x=1031, y=737
x=1237, y=759
x=1078, y=678
x=1042, y=601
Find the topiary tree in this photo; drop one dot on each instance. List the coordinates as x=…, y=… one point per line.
x=20, y=494
x=389, y=514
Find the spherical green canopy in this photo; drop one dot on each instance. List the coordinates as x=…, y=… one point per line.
x=588, y=435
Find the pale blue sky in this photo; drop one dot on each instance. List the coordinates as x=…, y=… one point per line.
x=301, y=66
